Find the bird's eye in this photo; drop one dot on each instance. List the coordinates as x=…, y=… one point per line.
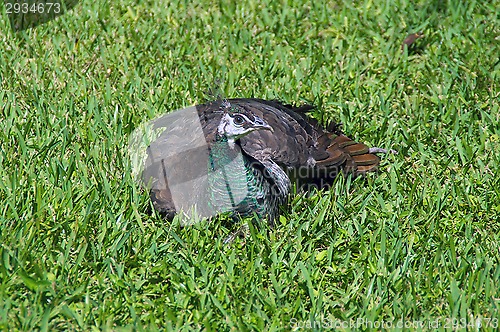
x=239, y=120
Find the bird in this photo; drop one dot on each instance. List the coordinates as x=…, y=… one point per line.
x=242, y=156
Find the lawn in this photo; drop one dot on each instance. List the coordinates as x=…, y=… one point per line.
x=416, y=246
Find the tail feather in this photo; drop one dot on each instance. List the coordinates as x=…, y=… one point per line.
x=366, y=159
x=361, y=169
x=336, y=157
x=346, y=155
x=356, y=149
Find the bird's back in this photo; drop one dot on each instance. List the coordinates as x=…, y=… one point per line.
x=301, y=145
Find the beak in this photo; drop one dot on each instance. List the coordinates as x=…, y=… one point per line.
x=262, y=125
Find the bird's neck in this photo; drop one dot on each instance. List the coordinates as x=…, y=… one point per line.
x=228, y=175
x=223, y=141
x=223, y=150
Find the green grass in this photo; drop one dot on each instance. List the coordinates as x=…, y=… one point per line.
x=417, y=243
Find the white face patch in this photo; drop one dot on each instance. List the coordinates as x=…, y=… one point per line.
x=232, y=126
x=221, y=129
x=226, y=120
x=236, y=125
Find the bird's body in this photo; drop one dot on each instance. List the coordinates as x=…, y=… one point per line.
x=256, y=148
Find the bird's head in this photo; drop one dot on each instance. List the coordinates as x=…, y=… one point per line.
x=235, y=124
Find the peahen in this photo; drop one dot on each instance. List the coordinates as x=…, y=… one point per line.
x=276, y=144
